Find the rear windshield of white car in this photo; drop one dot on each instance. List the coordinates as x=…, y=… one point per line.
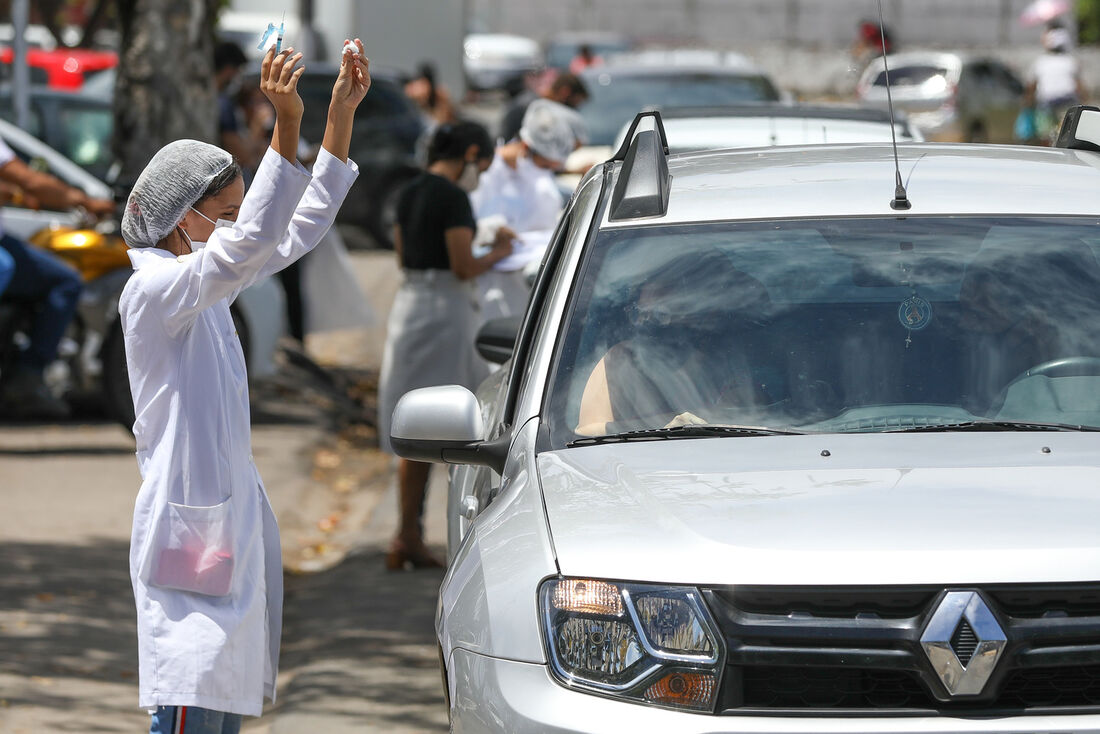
x=839, y=325
x=910, y=76
x=614, y=99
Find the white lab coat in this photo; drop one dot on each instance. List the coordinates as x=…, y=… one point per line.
x=528, y=199
x=202, y=520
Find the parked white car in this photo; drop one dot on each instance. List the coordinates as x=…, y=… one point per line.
x=950, y=97
x=764, y=124
x=22, y=222
x=780, y=448
x=499, y=60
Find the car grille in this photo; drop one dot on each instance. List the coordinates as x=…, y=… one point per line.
x=850, y=650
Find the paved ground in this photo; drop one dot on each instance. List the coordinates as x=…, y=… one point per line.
x=358, y=646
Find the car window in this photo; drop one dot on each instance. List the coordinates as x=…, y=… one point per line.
x=913, y=75
x=1007, y=79
x=560, y=53
x=614, y=99
x=86, y=137
x=831, y=325
x=34, y=122
x=384, y=121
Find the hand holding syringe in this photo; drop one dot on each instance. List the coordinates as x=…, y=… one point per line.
x=278, y=38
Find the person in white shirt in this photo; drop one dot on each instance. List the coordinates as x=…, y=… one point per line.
x=519, y=191
x=1053, y=82
x=205, y=561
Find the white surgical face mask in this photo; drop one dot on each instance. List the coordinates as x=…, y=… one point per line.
x=469, y=178
x=195, y=246
x=217, y=224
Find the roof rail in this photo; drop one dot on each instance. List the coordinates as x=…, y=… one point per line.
x=1080, y=129
x=643, y=186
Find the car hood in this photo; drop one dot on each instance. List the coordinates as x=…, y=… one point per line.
x=893, y=509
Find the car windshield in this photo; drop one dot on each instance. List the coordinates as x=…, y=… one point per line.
x=838, y=325
x=560, y=53
x=910, y=76
x=616, y=98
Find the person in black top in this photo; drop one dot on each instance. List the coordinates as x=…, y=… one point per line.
x=430, y=335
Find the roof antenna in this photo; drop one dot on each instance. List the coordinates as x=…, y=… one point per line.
x=901, y=199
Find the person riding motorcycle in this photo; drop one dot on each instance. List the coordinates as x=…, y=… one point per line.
x=37, y=278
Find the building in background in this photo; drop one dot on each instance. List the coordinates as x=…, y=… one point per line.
x=397, y=34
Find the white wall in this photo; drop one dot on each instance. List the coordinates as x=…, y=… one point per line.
x=397, y=34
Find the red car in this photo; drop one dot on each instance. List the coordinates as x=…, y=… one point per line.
x=61, y=68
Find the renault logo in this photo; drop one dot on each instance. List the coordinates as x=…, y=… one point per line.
x=963, y=642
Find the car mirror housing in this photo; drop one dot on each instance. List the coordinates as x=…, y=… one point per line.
x=496, y=339
x=1080, y=129
x=444, y=425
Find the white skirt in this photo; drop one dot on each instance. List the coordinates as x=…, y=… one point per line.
x=429, y=341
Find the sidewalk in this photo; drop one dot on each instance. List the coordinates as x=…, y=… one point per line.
x=359, y=651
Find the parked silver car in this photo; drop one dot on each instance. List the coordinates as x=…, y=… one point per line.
x=779, y=448
x=764, y=124
x=950, y=97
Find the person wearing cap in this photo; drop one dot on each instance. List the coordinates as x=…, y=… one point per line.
x=205, y=560
x=519, y=191
x=1053, y=82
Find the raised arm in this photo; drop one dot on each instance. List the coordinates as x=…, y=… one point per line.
x=279, y=83
x=351, y=86
x=333, y=173
x=233, y=256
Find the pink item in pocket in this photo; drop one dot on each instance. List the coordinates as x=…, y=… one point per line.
x=200, y=570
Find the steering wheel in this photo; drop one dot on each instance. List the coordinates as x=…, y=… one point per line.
x=1063, y=367
x=1077, y=366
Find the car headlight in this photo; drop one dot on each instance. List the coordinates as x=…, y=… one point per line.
x=641, y=642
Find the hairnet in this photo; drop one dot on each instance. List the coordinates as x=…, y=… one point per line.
x=548, y=129
x=171, y=183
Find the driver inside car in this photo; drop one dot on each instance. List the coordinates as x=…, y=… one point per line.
x=685, y=357
x=1020, y=309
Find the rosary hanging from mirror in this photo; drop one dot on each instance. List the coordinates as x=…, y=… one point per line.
x=914, y=313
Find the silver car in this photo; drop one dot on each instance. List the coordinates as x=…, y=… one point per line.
x=780, y=448
x=950, y=97
x=763, y=124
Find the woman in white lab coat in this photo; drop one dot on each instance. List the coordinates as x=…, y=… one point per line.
x=204, y=555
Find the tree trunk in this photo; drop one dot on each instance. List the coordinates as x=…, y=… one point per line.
x=165, y=88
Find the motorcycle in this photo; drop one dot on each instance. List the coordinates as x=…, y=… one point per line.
x=91, y=367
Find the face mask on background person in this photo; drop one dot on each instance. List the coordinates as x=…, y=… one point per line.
x=469, y=178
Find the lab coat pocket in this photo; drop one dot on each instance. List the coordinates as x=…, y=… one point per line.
x=192, y=549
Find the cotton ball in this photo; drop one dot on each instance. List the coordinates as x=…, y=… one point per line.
x=350, y=46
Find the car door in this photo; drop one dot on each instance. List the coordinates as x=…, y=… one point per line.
x=473, y=488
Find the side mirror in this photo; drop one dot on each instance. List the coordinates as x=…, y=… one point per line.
x=1080, y=129
x=443, y=425
x=496, y=339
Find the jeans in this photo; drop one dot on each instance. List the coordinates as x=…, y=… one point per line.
x=7, y=268
x=52, y=286
x=193, y=720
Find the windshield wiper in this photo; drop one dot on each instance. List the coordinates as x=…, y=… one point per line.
x=689, y=431
x=994, y=425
